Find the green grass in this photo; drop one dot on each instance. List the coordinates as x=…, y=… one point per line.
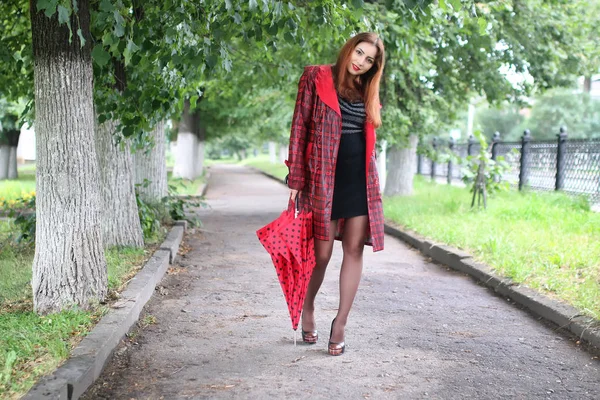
x=262, y=162
x=25, y=184
x=186, y=187
x=12, y=189
x=32, y=345
x=548, y=241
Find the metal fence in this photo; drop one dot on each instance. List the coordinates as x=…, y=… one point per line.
x=571, y=165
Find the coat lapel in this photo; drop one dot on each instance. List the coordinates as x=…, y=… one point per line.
x=326, y=89
x=327, y=94
x=370, y=141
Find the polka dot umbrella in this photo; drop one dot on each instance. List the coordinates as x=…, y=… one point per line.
x=290, y=242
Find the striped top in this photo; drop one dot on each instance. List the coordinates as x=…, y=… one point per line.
x=353, y=116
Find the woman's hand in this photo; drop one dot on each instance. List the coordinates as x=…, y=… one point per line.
x=293, y=194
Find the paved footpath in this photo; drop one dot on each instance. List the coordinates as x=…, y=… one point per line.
x=218, y=326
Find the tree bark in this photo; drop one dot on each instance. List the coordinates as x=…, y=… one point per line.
x=587, y=84
x=151, y=166
x=120, y=220
x=69, y=268
x=187, y=145
x=4, y=160
x=283, y=153
x=402, y=164
x=12, y=163
x=273, y=152
x=185, y=155
x=13, y=141
x=200, y=151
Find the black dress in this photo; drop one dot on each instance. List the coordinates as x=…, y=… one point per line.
x=350, y=189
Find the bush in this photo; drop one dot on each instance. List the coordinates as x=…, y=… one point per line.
x=22, y=210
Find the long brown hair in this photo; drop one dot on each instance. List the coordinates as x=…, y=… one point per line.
x=367, y=86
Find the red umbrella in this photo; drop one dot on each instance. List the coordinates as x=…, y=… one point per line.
x=290, y=242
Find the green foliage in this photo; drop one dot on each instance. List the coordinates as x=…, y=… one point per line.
x=482, y=166
x=22, y=210
x=176, y=205
x=171, y=208
x=563, y=107
x=150, y=216
x=506, y=120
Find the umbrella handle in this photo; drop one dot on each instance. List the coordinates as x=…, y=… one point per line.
x=294, y=205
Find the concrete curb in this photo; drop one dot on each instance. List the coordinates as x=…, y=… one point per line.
x=88, y=359
x=563, y=315
x=172, y=242
x=204, y=187
x=268, y=175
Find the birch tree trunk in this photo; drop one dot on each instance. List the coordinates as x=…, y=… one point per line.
x=273, y=152
x=189, y=158
x=13, y=141
x=69, y=268
x=185, y=155
x=120, y=220
x=200, y=151
x=401, y=164
x=283, y=153
x=12, y=163
x=4, y=161
x=151, y=165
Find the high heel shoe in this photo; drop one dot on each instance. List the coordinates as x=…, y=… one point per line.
x=335, y=349
x=310, y=337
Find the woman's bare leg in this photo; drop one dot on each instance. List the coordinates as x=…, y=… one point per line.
x=351, y=271
x=323, y=250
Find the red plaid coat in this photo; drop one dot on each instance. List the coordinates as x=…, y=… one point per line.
x=314, y=142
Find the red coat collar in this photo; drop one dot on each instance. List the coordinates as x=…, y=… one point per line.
x=327, y=94
x=326, y=88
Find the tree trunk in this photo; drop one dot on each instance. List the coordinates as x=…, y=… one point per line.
x=187, y=145
x=13, y=141
x=120, y=220
x=587, y=84
x=69, y=268
x=401, y=163
x=12, y=163
x=151, y=167
x=185, y=155
x=200, y=151
x=189, y=160
x=273, y=152
x=4, y=161
x=283, y=153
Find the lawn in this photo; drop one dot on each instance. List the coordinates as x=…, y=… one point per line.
x=32, y=345
x=185, y=187
x=25, y=185
x=548, y=241
x=13, y=189
x=262, y=162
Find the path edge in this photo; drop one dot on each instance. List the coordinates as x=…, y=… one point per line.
x=88, y=359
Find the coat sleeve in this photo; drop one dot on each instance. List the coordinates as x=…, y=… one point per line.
x=299, y=136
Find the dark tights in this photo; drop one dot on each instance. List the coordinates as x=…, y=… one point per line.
x=350, y=273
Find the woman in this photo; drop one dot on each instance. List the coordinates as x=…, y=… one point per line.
x=332, y=169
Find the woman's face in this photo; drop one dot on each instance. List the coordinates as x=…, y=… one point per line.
x=363, y=58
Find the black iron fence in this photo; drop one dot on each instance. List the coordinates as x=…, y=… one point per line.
x=571, y=165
